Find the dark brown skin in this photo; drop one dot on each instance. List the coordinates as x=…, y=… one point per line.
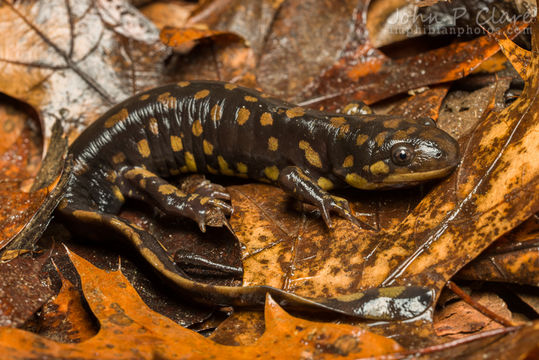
x=218, y=128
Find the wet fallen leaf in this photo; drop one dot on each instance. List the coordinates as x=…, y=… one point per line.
x=424, y=104
x=19, y=154
x=459, y=319
x=65, y=318
x=461, y=109
x=27, y=202
x=23, y=290
x=513, y=258
x=129, y=329
x=487, y=196
x=378, y=77
x=106, y=256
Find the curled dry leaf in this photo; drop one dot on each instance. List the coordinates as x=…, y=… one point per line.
x=65, y=318
x=27, y=203
x=176, y=37
x=20, y=152
x=167, y=13
x=56, y=64
x=514, y=258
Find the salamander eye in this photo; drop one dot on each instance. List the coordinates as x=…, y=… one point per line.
x=402, y=154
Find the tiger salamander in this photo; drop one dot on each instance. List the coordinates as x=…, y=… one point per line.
x=221, y=128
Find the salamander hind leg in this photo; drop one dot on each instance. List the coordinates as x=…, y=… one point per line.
x=146, y=245
x=175, y=202
x=303, y=187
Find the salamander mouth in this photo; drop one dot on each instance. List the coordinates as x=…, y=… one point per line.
x=409, y=178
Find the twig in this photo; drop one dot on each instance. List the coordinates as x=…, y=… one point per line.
x=482, y=309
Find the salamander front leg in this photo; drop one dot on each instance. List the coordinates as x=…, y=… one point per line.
x=297, y=183
x=173, y=201
x=198, y=184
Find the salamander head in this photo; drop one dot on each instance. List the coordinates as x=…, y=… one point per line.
x=396, y=153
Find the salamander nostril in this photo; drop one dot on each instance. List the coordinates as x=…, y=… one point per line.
x=438, y=155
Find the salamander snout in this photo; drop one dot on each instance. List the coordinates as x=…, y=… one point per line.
x=430, y=154
x=399, y=154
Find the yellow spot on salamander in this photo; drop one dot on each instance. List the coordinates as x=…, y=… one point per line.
x=215, y=113
x=190, y=161
x=184, y=169
x=131, y=174
x=411, y=130
x=207, y=147
x=295, y=112
x=266, y=119
x=183, y=83
x=361, y=138
x=111, y=176
x=201, y=94
x=392, y=124
x=379, y=168
x=204, y=200
x=272, y=172
x=116, y=118
x=392, y=292
x=87, y=215
x=142, y=183
x=144, y=97
x=167, y=189
x=310, y=154
x=358, y=182
x=63, y=204
x=167, y=100
x=176, y=143
x=348, y=161
x=197, y=128
x=117, y=193
x=380, y=138
x=250, y=98
x=343, y=130
x=400, y=135
x=340, y=123
x=242, y=116
x=273, y=144
x=174, y=172
x=242, y=168
x=337, y=121
x=212, y=170
x=230, y=86
x=154, y=127
x=143, y=148
x=325, y=183
x=223, y=166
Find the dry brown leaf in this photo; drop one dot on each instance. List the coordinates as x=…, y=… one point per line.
x=128, y=329
x=75, y=46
